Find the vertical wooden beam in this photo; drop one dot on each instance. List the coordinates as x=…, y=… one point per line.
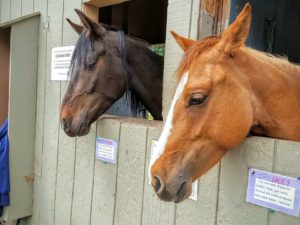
x=131, y=169
x=287, y=162
x=39, y=6
x=27, y=7
x=51, y=127
x=15, y=9
x=105, y=177
x=5, y=11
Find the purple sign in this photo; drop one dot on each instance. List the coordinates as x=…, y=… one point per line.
x=274, y=191
x=106, y=150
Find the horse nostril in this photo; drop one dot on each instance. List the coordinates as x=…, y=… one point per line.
x=158, y=184
x=65, y=124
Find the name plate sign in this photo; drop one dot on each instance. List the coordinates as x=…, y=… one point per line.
x=106, y=150
x=274, y=191
x=60, y=62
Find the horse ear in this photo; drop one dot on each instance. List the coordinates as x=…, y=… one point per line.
x=90, y=25
x=235, y=36
x=184, y=43
x=78, y=28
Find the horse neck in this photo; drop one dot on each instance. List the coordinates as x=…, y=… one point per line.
x=145, y=71
x=274, y=85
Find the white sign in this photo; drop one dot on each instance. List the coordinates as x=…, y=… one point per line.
x=61, y=59
x=106, y=150
x=194, y=194
x=274, y=191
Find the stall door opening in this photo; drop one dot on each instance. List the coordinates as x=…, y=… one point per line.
x=4, y=72
x=274, y=27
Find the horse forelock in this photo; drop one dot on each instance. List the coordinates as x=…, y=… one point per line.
x=83, y=51
x=193, y=53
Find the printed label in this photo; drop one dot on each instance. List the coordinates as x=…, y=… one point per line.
x=106, y=150
x=274, y=191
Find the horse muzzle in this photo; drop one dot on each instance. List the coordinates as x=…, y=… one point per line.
x=75, y=128
x=175, y=190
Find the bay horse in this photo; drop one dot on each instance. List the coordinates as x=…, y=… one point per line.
x=105, y=65
x=225, y=90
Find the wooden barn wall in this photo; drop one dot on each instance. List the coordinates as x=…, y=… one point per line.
x=72, y=188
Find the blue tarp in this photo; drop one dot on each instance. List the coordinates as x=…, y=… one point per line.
x=4, y=165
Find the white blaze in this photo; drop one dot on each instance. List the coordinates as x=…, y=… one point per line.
x=163, y=139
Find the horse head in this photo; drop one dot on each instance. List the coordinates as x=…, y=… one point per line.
x=97, y=76
x=210, y=112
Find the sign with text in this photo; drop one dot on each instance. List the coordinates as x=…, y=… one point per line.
x=60, y=63
x=274, y=191
x=194, y=194
x=106, y=150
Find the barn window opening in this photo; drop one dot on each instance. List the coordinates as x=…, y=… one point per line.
x=274, y=27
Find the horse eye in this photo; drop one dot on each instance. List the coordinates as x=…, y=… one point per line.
x=90, y=90
x=197, y=99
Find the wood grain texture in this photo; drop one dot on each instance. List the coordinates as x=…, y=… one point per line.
x=40, y=6
x=131, y=169
x=203, y=211
x=15, y=9
x=51, y=119
x=152, y=205
x=104, y=189
x=179, y=18
x=83, y=178
x=64, y=179
x=4, y=11
x=27, y=7
x=67, y=147
x=256, y=152
x=287, y=162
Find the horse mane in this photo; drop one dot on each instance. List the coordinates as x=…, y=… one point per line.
x=194, y=52
x=275, y=60
x=83, y=53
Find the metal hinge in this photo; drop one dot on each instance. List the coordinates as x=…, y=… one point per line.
x=46, y=23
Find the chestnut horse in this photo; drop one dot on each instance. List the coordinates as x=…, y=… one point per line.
x=105, y=65
x=225, y=91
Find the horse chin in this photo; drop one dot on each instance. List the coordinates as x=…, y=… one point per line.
x=84, y=131
x=183, y=193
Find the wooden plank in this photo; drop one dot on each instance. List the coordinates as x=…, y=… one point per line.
x=256, y=152
x=15, y=9
x=51, y=119
x=67, y=150
x=64, y=179
x=105, y=181
x=83, y=179
x=5, y=11
x=204, y=210
x=178, y=20
x=287, y=162
x=40, y=6
x=195, y=14
x=27, y=7
x=131, y=172
x=152, y=205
